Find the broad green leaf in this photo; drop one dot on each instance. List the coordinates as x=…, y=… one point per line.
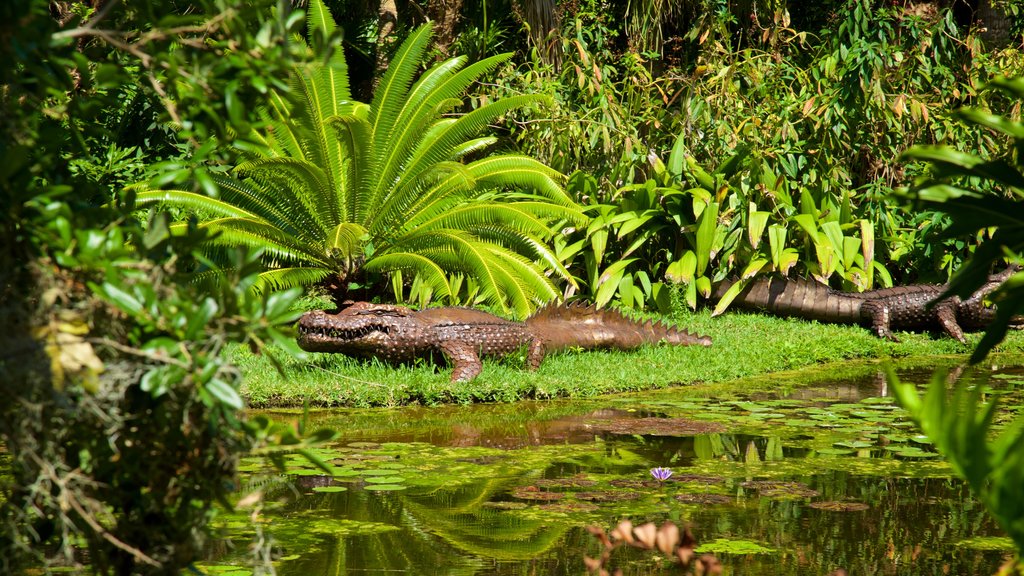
x=754, y=267
x=809, y=224
x=608, y=283
x=730, y=295
x=867, y=235
x=122, y=299
x=225, y=393
x=851, y=247
x=677, y=158
x=682, y=270
x=703, y=284
x=691, y=295
x=706, y=229
x=777, y=243
x=755, y=226
x=703, y=179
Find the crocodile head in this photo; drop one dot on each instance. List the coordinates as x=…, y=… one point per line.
x=362, y=329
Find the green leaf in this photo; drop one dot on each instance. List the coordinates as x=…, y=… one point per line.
x=703, y=284
x=608, y=283
x=225, y=393
x=706, y=229
x=755, y=225
x=122, y=299
x=730, y=295
x=777, y=243
x=682, y=270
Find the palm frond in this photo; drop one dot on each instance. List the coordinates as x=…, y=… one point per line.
x=352, y=133
x=519, y=243
x=284, y=278
x=522, y=281
x=472, y=214
x=347, y=238
x=428, y=270
x=278, y=244
x=390, y=95
x=191, y=201
x=472, y=147
x=442, y=145
x=444, y=185
x=302, y=189
x=521, y=172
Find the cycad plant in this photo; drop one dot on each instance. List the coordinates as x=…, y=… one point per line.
x=342, y=193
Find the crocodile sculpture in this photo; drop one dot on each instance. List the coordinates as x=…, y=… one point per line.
x=399, y=334
x=913, y=307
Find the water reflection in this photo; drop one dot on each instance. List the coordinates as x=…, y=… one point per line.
x=509, y=490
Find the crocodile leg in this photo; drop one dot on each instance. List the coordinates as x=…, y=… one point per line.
x=945, y=311
x=464, y=359
x=881, y=317
x=535, y=355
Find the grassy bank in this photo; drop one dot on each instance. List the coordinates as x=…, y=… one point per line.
x=744, y=345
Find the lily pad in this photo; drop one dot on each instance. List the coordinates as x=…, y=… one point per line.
x=532, y=493
x=329, y=489
x=728, y=546
x=855, y=444
x=839, y=506
x=385, y=479
x=608, y=495
x=384, y=487
x=703, y=498
x=780, y=490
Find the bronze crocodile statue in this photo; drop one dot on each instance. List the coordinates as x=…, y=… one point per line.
x=399, y=334
x=913, y=307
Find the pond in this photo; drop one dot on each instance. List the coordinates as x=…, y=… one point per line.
x=788, y=474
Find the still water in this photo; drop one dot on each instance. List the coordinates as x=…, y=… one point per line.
x=820, y=474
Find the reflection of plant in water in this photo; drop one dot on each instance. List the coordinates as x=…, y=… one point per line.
x=961, y=425
x=668, y=539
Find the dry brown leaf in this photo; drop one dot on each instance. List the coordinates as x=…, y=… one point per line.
x=647, y=534
x=667, y=538
x=624, y=532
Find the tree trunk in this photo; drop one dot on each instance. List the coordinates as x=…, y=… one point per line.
x=386, y=21
x=445, y=14
x=994, y=23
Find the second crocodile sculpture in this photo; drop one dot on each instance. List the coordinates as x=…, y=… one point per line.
x=400, y=334
x=913, y=307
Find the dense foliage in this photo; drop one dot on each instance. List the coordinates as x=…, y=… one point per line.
x=121, y=414
x=337, y=190
x=709, y=140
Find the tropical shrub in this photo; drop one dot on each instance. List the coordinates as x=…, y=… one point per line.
x=791, y=138
x=347, y=194
x=984, y=198
x=694, y=227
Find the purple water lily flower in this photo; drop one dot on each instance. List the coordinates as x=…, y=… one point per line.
x=661, y=474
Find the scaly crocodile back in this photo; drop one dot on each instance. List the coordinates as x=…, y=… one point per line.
x=800, y=298
x=561, y=326
x=816, y=301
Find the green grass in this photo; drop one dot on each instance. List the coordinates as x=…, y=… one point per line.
x=744, y=345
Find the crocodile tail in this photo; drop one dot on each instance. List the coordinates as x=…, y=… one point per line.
x=577, y=325
x=800, y=298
